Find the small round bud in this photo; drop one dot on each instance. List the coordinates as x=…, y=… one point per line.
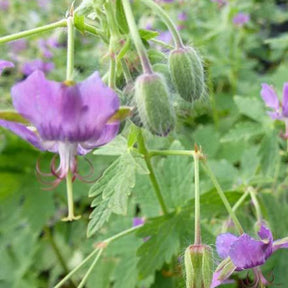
x=153, y=103
x=187, y=73
x=198, y=266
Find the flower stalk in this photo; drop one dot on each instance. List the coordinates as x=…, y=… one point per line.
x=143, y=150
x=197, y=234
x=70, y=201
x=223, y=197
x=101, y=246
x=70, y=48
x=32, y=32
x=147, y=69
x=167, y=20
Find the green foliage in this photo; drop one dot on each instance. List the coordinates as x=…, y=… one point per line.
x=112, y=190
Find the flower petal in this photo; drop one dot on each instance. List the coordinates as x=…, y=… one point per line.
x=247, y=252
x=108, y=133
x=62, y=112
x=265, y=234
x=285, y=100
x=269, y=96
x=223, y=244
x=5, y=64
x=23, y=132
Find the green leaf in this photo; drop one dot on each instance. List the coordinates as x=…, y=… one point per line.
x=79, y=22
x=13, y=116
x=251, y=107
x=176, y=174
x=121, y=18
x=269, y=153
x=163, y=244
x=113, y=189
x=243, y=131
x=148, y=34
x=114, y=148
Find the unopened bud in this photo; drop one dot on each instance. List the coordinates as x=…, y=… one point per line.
x=129, y=100
x=154, y=104
x=187, y=73
x=198, y=266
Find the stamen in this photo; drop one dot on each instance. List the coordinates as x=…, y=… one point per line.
x=39, y=172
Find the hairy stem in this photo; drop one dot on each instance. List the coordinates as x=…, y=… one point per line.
x=35, y=31
x=69, y=189
x=70, y=49
x=143, y=150
x=57, y=253
x=136, y=37
x=170, y=24
x=84, y=279
x=101, y=246
x=223, y=197
x=197, y=227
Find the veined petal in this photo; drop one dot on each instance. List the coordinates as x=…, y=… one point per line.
x=223, y=244
x=23, y=132
x=35, y=99
x=108, y=133
x=265, y=234
x=5, y=64
x=100, y=102
x=285, y=100
x=269, y=96
x=63, y=112
x=247, y=252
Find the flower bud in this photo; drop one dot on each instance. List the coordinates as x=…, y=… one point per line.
x=153, y=103
x=187, y=73
x=129, y=100
x=198, y=266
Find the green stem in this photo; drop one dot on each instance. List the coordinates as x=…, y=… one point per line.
x=126, y=72
x=153, y=153
x=70, y=49
x=170, y=24
x=240, y=201
x=256, y=204
x=84, y=279
x=27, y=33
x=57, y=252
x=104, y=245
x=162, y=44
x=223, y=197
x=197, y=239
x=143, y=150
x=69, y=188
x=136, y=38
x=114, y=34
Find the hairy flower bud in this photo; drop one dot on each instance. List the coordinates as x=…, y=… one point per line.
x=153, y=103
x=187, y=73
x=198, y=266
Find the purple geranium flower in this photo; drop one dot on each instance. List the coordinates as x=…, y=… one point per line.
x=244, y=252
x=35, y=65
x=138, y=221
x=4, y=5
x=5, y=64
x=279, y=110
x=66, y=118
x=240, y=19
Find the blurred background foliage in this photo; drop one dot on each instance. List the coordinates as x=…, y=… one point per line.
x=241, y=142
